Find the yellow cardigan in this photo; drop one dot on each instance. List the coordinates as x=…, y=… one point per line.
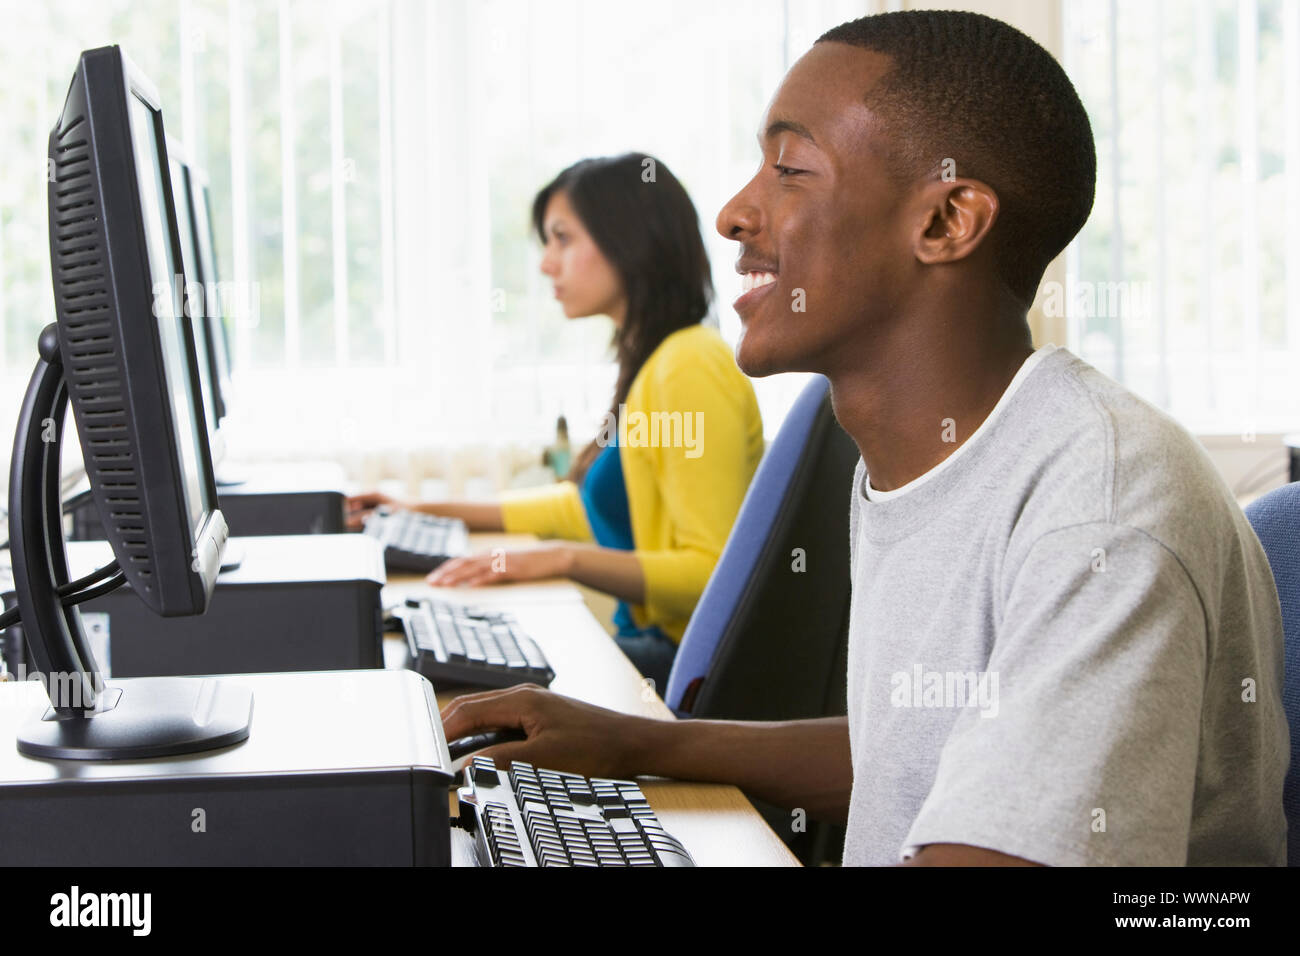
x=685, y=482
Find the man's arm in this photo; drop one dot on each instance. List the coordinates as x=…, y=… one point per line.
x=795, y=763
x=959, y=854
x=798, y=763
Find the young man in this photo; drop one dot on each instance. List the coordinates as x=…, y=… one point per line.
x=1021, y=526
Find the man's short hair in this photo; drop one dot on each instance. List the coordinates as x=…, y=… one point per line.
x=973, y=90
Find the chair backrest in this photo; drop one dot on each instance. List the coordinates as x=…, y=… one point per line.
x=1276, y=519
x=769, y=637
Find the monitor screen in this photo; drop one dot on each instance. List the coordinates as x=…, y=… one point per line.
x=218, y=332
x=195, y=300
x=168, y=309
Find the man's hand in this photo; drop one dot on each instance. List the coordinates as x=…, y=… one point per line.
x=795, y=763
x=499, y=567
x=568, y=735
x=563, y=734
x=360, y=506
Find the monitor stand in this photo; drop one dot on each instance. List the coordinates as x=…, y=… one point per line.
x=88, y=720
x=145, y=717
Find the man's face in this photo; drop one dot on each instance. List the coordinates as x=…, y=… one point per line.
x=821, y=226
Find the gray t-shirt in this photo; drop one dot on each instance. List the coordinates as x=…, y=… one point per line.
x=1065, y=645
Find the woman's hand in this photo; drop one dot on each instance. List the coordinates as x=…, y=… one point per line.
x=360, y=506
x=499, y=566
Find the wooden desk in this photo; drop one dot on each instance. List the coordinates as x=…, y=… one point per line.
x=716, y=823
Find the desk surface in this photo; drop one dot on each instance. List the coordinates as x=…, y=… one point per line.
x=716, y=823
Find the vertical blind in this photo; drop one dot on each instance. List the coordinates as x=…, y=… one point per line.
x=372, y=165
x=1185, y=284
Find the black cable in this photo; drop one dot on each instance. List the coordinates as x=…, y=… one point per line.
x=72, y=587
x=112, y=584
x=69, y=597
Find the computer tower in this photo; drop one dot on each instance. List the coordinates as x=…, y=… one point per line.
x=342, y=768
x=298, y=498
x=294, y=603
x=250, y=513
x=282, y=498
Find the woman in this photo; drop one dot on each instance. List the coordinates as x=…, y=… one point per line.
x=645, y=522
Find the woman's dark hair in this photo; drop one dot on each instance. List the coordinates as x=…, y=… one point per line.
x=645, y=224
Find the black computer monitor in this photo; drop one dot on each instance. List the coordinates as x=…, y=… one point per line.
x=195, y=298
x=210, y=275
x=122, y=354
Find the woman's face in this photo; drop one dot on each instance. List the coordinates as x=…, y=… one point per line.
x=585, y=282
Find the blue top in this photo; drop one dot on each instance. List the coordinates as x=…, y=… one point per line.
x=604, y=496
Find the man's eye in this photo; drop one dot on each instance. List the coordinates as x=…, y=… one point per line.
x=784, y=171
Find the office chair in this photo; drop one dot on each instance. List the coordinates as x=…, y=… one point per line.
x=1276, y=519
x=769, y=637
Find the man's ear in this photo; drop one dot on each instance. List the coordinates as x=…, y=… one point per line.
x=956, y=218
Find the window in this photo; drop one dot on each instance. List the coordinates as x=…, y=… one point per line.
x=372, y=165
x=1185, y=284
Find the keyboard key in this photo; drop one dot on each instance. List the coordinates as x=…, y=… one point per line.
x=491, y=651
x=554, y=833
x=485, y=776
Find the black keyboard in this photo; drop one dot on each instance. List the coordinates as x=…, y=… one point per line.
x=417, y=542
x=531, y=817
x=457, y=645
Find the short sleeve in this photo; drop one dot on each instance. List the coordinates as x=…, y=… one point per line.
x=1087, y=751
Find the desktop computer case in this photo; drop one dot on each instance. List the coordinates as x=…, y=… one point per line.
x=343, y=768
x=248, y=512
x=283, y=498
x=284, y=512
x=295, y=603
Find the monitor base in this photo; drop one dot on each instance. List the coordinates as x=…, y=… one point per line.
x=145, y=717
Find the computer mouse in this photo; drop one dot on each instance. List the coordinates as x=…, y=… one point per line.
x=468, y=745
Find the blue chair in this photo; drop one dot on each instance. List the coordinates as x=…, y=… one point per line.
x=769, y=637
x=1276, y=519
